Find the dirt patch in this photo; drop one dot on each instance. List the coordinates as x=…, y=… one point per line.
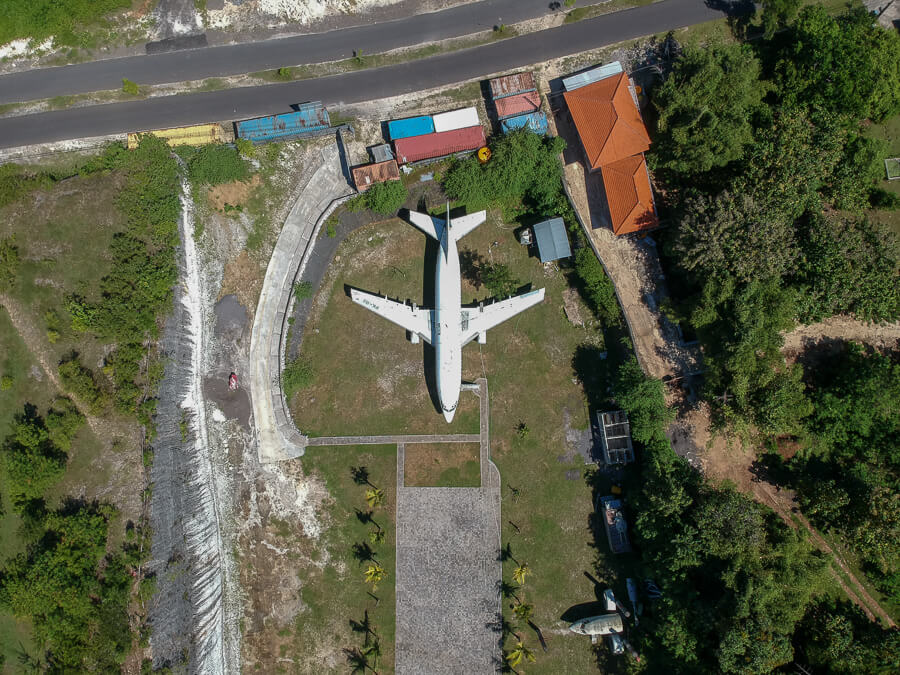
x=243, y=279
x=843, y=329
x=232, y=194
x=442, y=465
x=572, y=307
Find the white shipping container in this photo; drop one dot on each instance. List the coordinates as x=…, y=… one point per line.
x=456, y=119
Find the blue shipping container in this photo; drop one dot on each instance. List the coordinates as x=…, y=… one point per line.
x=536, y=122
x=310, y=117
x=411, y=126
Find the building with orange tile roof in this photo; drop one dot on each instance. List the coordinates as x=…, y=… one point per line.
x=629, y=195
x=614, y=139
x=367, y=175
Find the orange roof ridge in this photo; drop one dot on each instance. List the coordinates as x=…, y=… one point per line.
x=608, y=121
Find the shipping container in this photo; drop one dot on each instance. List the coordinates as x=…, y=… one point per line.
x=434, y=146
x=508, y=85
x=367, y=175
x=198, y=134
x=518, y=104
x=409, y=127
x=456, y=119
x=591, y=76
x=311, y=117
x=536, y=122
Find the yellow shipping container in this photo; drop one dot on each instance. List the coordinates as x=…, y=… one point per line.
x=199, y=134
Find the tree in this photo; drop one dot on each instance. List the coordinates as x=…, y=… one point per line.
x=847, y=64
x=386, y=198
x=31, y=461
x=375, y=497
x=778, y=14
x=524, y=611
x=644, y=400
x=731, y=235
x=374, y=575
x=849, y=266
x=520, y=653
x=499, y=281
x=373, y=652
x=705, y=107
x=520, y=573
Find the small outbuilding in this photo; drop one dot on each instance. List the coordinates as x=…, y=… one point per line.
x=367, y=175
x=552, y=240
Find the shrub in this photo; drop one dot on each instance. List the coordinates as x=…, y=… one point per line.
x=216, y=164
x=598, y=289
x=386, y=198
x=9, y=262
x=297, y=375
x=303, y=290
x=64, y=20
x=31, y=461
x=6, y=382
x=244, y=147
x=130, y=87
x=80, y=381
x=499, y=280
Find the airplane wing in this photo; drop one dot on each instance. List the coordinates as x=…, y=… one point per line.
x=417, y=321
x=433, y=227
x=461, y=226
x=477, y=320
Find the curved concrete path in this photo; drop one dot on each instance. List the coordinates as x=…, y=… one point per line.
x=277, y=438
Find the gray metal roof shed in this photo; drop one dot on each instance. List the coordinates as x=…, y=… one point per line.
x=552, y=240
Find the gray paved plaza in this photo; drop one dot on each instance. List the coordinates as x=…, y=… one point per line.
x=448, y=540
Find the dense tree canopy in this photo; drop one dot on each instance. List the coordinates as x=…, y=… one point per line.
x=705, y=108
x=846, y=63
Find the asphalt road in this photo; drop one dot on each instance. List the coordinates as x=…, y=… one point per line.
x=441, y=70
x=196, y=64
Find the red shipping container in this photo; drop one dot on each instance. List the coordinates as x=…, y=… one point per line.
x=520, y=104
x=432, y=146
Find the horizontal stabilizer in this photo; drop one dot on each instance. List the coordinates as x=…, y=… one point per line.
x=433, y=227
x=415, y=320
x=460, y=227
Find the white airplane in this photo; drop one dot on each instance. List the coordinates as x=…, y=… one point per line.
x=449, y=326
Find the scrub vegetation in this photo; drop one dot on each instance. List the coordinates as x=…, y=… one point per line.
x=67, y=21
x=88, y=272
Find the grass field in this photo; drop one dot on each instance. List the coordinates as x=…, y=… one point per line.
x=889, y=132
x=334, y=592
x=370, y=380
x=442, y=465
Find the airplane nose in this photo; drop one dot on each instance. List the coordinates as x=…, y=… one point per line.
x=448, y=415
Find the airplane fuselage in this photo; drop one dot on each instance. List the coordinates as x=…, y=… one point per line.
x=447, y=327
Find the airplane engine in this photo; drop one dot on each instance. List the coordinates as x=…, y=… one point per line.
x=482, y=337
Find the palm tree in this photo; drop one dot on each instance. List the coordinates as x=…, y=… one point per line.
x=508, y=590
x=519, y=574
x=357, y=661
x=373, y=651
x=524, y=611
x=374, y=574
x=360, y=475
x=375, y=497
x=520, y=653
x=376, y=536
x=364, y=626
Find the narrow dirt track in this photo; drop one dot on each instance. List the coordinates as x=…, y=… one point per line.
x=781, y=502
x=34, y=339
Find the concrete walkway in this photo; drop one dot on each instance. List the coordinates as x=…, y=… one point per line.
x=277, y=438
x=394, y=440
x=448, y=571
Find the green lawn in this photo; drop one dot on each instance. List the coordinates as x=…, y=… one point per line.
x=888, y=131
x=370, y=380
x=334, y=591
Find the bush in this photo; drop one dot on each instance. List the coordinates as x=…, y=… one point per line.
x=63, y=422
x=80, y=381
x=130, y=87
x=6, y=382
x=216, y=164
x=64, y=20
x=244, y=147
x=598, y=289
x=31, y=461
x=9, y=263
x=303, y=290
x=386, y=198
x=499, y=280
x=297, y=375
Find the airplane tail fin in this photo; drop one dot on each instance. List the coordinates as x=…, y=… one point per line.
x=462, y=225
x=433, y=227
